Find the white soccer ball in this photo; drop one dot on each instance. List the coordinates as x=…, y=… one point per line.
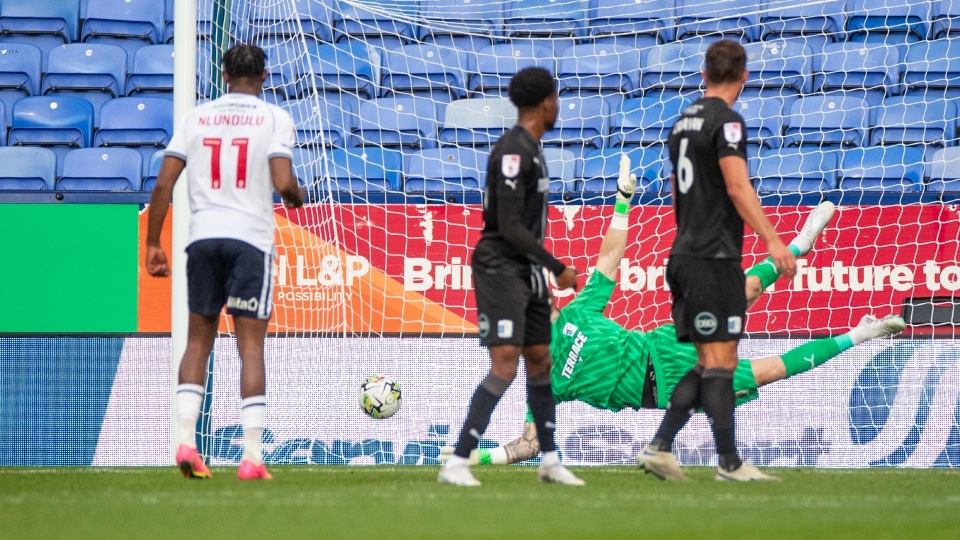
x=379, y=396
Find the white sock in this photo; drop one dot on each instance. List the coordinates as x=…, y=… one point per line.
x=252, y=409
x=498, y=456
x=189, y=399
x=550, y=459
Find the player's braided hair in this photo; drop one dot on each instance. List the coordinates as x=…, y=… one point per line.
x=726, y=61
x=530, y=86
x=244, y=61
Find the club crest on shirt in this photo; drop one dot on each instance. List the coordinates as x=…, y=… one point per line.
x=732, y=132
x=510, y=165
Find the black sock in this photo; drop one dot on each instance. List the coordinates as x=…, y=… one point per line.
x=719, y=401
x=544, y=410
x=684, y=400
x=484, y=400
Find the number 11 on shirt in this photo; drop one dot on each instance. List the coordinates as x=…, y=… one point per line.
x=215, y=145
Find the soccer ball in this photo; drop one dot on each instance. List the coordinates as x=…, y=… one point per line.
x=379, y=396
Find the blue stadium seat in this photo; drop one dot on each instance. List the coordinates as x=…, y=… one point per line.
x=152, y=71
x=430, y=70
x=673, y=69
x=764, y=119
x=933, y=68
x=142, y=123
x=732, y=19
x=365, y=169
x=946, y=20
x=274, y=22
x=445, y=170
x=495, y=65
x=92, y=71
x=885, y=168
x=130, y=24
x=871, y=70
x=944, y=171
x=476, y=122
x=19, y=72
x=343, y=67
x=561, y=168
x=915, y=121
x=892, y=22
x=308, y=168
x=466, y=24
x=330, y=119
x=545, y=18
x=152, y=170
x=781, y=18
x=43, y=23
x=405, y=122
x=581, y=124
x=827, y=121
x=604, y=68
x=778, y=69
x=101, y=169
x=790, y=170
x=602, y=167
x=58, y=122
x=389, y=24
x=282, y=67
x=27, y=169
x=205, y=19
x=645, y=121
x=620, y=22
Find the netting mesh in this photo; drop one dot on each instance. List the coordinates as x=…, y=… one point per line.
x=397, y=104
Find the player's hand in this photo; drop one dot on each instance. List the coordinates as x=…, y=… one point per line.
x=783, y=259
x=157, y=265
x=290, y=205
x=567, y=279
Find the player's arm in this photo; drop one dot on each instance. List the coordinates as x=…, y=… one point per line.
x=170, y=170
x=510, y=201
x=281, y=172
x=731, y=147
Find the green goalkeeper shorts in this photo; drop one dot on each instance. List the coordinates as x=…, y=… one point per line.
x=672, y=360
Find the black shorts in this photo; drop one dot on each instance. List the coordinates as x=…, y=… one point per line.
x=709, y=303
x=511, y=309
x=226, y=271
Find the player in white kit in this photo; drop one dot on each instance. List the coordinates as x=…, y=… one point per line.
x=239, y=150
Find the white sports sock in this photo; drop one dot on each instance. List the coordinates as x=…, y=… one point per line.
x=550, y=459
x=189, y=399
x=253, y=408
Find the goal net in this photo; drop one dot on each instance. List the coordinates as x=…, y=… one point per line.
x=397, y=104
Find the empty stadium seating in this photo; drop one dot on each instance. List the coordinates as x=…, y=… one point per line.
x=477, y=122
x=427, y=70
x=582, y=124
x=946, y=21
x=445, y=169
x=319, y=118
x=152, y=71
x=673, y=69
x=19, y=72
x=732, y=19
x=944, y=171
x=405, y=122
x=345, y=67
x=832, y=120
x=496, y=65
x=94, y=72
x=101, y=169
x=619, y=22
x=886, y=168
x=271, y=23
x=933, y=68
x=866, y=69
x=562, y=168
x=152, y=170
x=783, y=18
x=645, y=121
x=778, y=69
x=764, y=119
x=60, y=123
x=600, y=69
x=386, y=24
x=915, y=120
x=797, y=170
x=467, y=24
x=365, y=169
x=601, y=167
x=130, y=24
x=142, y=123
x=27, y=168
x=43, y=23
x=888, y=21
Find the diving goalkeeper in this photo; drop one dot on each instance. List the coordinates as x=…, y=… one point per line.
x=599, y=362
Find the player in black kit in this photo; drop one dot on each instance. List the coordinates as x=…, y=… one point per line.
x=512, y=292
x=713, y=198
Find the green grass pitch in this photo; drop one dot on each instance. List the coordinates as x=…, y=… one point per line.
x=390, y=503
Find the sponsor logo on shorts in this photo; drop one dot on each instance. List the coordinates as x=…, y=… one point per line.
x=705, y=323
x=244, y=305
x=483, y=325
x=569, y=329
x=734, y=324
x=504, y=329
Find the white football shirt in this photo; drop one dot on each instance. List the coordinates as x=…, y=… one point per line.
x=227, y=145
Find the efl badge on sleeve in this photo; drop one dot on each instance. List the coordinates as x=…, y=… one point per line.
x=510, y=165
x=732, y=132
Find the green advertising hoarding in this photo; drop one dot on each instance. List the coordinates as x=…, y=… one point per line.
x=68, y=268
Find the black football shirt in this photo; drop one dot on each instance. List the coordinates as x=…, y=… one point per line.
x=708, y=225
x=515, y=209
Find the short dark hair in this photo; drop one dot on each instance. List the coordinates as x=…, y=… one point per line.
x=726, y=62
x=244, y=61
x=530, y=86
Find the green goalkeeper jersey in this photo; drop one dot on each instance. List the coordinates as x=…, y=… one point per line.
x=592, y=354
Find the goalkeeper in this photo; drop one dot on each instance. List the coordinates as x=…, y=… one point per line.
x=599, y=362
